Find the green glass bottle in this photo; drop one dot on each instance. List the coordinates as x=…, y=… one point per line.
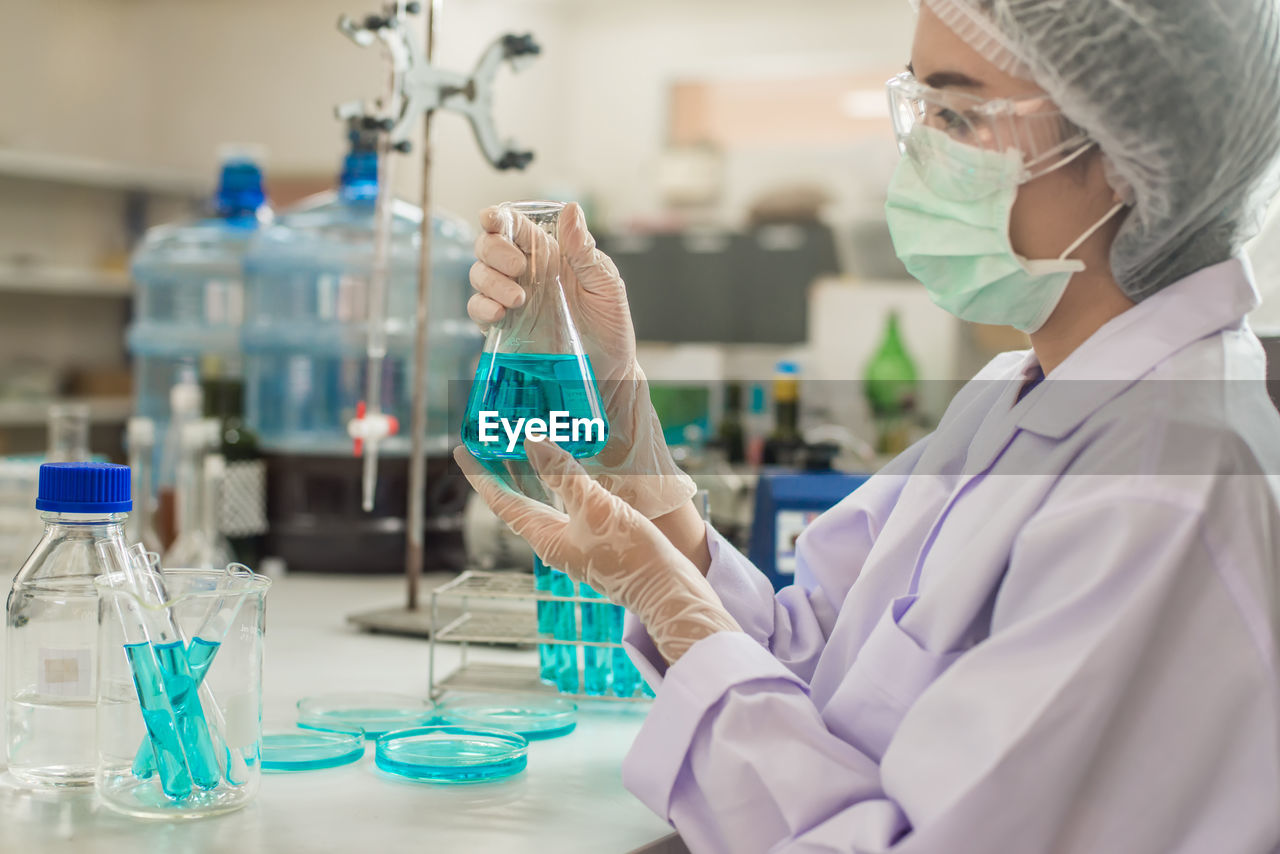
x=891, y=386
x=732, y=438
x=242, y=512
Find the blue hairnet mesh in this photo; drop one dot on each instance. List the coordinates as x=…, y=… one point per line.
x=1182, y=97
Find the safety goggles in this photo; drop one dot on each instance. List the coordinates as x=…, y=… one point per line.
x=1031, y=125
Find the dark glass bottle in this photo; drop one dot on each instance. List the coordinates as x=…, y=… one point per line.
x=732, y=436
x=784, y=444
x=242, y=511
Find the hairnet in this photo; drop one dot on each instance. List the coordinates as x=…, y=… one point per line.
x=1182, y=97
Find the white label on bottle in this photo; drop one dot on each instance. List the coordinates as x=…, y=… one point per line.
x=64, y=672
x=242, y=720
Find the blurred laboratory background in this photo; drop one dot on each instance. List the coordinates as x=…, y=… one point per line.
x=186, y=235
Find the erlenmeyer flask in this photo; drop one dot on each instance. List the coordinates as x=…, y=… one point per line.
x=534, y=380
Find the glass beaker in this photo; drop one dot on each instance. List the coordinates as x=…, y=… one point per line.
x=534, y=380
x=230, y=668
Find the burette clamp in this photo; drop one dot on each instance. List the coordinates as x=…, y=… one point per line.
x=420, y=87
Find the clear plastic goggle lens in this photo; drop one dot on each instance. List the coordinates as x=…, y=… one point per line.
x=1031, y=126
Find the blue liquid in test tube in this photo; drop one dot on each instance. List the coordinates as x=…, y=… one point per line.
x=626, y=679
x=193, y=729
x=158, y=716
x=567, y=630
x=595, y=627
x=546, y=622
x=200, y=653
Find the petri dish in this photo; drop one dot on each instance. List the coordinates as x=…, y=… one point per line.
x=452, y=754
x=532, y=716
x=376, y=714
x=311, y=751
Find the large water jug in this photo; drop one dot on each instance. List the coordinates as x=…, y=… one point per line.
x=189, y=297
x=305, y=339
x=306, y=326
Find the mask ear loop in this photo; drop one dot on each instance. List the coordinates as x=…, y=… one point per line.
x=1079, y=152
x=1091, y=230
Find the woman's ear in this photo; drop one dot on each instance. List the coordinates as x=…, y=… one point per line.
x=1121, y=189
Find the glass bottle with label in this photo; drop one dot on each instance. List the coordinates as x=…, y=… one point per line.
x=51, y=625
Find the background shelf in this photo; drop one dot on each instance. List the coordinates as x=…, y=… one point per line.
x=33, y=413
x=89, y=172
x=71, y=281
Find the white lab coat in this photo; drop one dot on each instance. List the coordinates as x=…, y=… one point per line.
x=1048, y=627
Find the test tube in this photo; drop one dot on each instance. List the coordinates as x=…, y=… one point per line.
x=171, y=651
x=204, y=645
x=595, y=627
x=546, y=622
x=157, y=712
x=566, y=625
x=626, y=679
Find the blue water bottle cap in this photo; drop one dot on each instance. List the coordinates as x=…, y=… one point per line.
x=84, y=488
x=240, y=193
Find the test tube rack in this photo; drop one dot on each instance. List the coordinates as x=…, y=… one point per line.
x=500, y=621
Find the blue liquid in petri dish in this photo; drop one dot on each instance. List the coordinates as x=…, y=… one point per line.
x=162, y=728
x=311, y=751
x=449, y=754
x=531, y=716
x=375, y=714
x=533, y=385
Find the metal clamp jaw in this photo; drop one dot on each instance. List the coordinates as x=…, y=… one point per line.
x=421, y=87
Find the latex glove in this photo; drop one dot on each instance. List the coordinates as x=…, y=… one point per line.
x=636, y=464
x=603, y=541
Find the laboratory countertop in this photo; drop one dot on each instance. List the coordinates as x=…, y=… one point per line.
x=570, y=799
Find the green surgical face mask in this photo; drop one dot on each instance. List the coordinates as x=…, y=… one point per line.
x=950, y=227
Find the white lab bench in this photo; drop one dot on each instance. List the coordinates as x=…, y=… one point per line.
x=570, y=799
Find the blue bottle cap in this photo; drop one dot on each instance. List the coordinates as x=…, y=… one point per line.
x=240, y=192
x=788, y=368
x=84, y=488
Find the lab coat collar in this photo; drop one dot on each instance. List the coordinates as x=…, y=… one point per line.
x=1127, y=347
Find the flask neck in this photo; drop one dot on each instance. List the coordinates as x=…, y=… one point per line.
x=544, y=324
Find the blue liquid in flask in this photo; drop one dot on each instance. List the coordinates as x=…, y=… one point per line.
x=533, y=385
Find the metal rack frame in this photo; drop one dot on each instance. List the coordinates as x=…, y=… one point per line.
x=503, y=626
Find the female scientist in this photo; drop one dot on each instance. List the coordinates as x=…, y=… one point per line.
x=1050, y=626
